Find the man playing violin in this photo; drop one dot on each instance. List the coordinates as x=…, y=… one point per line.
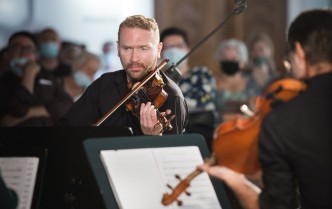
x=295, y=138
x=139, y=48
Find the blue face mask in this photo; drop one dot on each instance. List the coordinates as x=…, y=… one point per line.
x=174, y=55
x=81, y=79
x=16, y=65
x=49, y=50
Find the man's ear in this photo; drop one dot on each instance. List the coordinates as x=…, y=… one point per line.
x=160, y=47
x=301, y=59
x=299, y=50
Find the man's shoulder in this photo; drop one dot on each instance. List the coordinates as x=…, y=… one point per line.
x=172, y=87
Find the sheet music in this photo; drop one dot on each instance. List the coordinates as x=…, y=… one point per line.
x=138, y=177
x=19, y=174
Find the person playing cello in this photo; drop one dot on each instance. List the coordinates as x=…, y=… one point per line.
x=295, y=138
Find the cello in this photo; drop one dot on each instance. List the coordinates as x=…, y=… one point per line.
x=235, y=143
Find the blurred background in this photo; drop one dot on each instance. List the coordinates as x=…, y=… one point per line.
x=93, y=22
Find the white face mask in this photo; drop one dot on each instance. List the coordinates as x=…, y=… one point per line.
x=16, y=65
x=82, y=79
x=174, y=55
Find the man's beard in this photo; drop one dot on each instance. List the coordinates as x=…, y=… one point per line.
x=137, y=64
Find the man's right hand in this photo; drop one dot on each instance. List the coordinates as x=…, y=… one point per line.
x=31, y=70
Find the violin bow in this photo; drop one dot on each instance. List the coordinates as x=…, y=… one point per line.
x=131, y=93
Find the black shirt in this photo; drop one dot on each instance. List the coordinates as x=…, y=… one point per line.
x=107, y=91
x=295, y=150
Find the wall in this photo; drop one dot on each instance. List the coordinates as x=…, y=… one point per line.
x=199, y=18
x=90, y=22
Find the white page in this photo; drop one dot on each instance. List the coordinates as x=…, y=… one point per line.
x=139, y=176
x=19, y=174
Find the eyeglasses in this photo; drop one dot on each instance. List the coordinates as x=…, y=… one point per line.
x=21, y=48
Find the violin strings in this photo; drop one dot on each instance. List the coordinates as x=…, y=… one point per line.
x=143, y=95
x=146, y=98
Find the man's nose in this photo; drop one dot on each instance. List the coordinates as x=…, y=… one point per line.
x=134, y=57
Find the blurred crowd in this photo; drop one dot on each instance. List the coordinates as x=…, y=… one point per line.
x=42, y=75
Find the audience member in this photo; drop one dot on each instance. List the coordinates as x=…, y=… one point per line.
x=30, y=97
x=49, y=48
x=70, y=51
x=139, y=49
x=197, y=84
x=295, y=138
x=110, y=60
x=261, y=67
x=232, y=88
x=83, y=71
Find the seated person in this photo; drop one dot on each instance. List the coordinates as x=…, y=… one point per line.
x=197, y=83
x=49, y=47
x=232, y=87
x=31, y=97
x=84, y=69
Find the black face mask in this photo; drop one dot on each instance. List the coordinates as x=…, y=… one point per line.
x=229, y=67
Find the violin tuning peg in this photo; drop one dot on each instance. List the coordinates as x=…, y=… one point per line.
x=187, y=193
x=178, y=177
x=169, y=186
x=179, y=202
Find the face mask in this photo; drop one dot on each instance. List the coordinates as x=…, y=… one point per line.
x=16, y=65
x=229, y=67
x=81, y=79
x=174, y=55
x=49, y=50
x=259, y=60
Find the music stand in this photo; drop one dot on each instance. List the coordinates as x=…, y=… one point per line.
x=94, y=146
x=22, y=181
x=69, y=181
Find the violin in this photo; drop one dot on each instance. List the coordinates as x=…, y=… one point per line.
x=152, y=92
x=235, y=143
x=150, y=89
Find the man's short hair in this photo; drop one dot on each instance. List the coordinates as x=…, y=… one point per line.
x=139, y=21
x=240, y=46
x=313, y=30
x=24, y=34
x=174, y=31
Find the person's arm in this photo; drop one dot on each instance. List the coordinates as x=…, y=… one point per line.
x=31, y=70
x=246, y=192
x=10, y=120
